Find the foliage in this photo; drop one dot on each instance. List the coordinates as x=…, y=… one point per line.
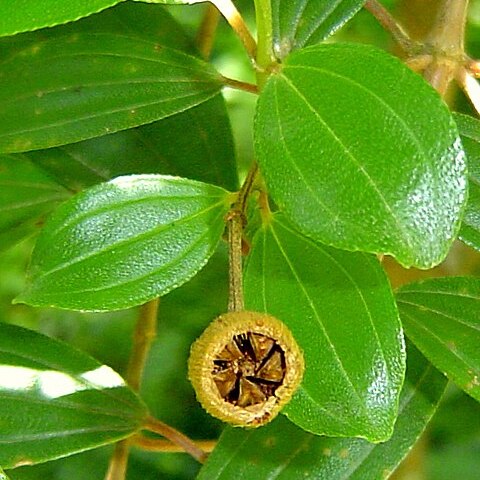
x=119, y=171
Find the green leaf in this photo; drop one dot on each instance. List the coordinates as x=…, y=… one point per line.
x=69, y=89
x=124, y=242
x=298, y=23
x=352, y=380
x=27, y=195
x=282, y=451
x=32, y=14
x=442, y=317
x=150, y=22
x=56, y=401
x=173, y=2
x=3, y=475
x=207, y=153
x=469, y=129
x=375, y=164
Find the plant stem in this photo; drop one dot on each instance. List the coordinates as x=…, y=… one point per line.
x=234, y=237
x=265, y=58
x=207, y=30
x=246, y=188
x=235, y=20
x=236, y=219
x=446, y=39
x=470, y=86
x=145, y=332
x=159, y=445
x=176, y=437
x=239, y=85
x=235, y=224
x=117, y=469
x=448, y=32
x=389, y=23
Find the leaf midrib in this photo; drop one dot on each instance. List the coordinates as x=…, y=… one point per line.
x=136, y=238
x=405, y=234
x=203, y=97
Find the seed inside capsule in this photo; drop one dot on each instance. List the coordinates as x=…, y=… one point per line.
x=249, y=369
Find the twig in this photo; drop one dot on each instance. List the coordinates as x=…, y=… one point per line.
x=389, y=23
x=236, y=220
x=235, y=20
x=176, y=437
x=246, y=189
x=473, y=67
x=448, y=32
x=117, y=469
x=265, y=59
x=160, y=445
x=447, y=40
x=471, y=88
x=206, y=32
x=239, y=85
x=145, y=331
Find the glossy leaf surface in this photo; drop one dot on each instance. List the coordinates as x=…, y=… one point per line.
x=22, y=15
x=139, y=20
x=341, y=311
x=206, y=154
x=69, y=89
x=375, y=164
x=469, y=129
x=442, y=317
x=27, y=194
x=173, y=2
x=298, y=23
x=124, y=242
x=283, y=451
x=56, y=401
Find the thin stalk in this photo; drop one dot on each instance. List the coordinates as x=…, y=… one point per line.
x=207, y=30
x=178, y=438
x=265, y=57
x=239, y=85
x=117, y=469
x=470, y=86
x=235, y=224
x=234, y=237
x=389, y=23
x=246, y=188
x=160, y=445
x=236, y=21
x=447, y=42
x=145, y=332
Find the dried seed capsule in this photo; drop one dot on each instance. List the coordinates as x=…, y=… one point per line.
x=245, y=367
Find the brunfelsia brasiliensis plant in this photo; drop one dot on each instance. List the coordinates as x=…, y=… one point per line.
x=116, y=123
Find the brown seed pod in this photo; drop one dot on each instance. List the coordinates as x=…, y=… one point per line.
x=244, y=367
